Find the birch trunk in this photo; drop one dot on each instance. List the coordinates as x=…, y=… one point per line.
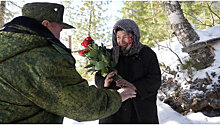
x=182, y=28
x=2, y=13
x=187, y=35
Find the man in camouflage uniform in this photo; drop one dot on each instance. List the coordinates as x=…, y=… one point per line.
x=38, y=79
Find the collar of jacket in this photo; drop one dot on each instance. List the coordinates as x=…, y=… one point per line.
x=35, y=26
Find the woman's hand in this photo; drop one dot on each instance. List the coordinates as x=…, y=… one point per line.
x=109, y=79
x=126, y=93
x=123, y=82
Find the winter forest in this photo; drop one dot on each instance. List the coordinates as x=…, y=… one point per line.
x=185, y=36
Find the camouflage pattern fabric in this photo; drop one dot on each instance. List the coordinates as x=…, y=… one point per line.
x=39, y=83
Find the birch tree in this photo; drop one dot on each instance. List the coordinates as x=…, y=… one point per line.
x=2, y=13
x=187, y=35
x=182, y=28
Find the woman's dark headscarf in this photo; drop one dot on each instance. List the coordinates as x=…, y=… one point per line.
x=132, y=28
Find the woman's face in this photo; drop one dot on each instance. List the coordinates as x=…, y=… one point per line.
x=123, y=38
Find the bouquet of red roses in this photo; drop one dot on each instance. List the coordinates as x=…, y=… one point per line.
x=99, y=58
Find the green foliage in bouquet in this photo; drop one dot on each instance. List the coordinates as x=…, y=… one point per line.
x=99, y=57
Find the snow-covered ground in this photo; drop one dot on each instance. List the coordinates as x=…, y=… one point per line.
x=166, y=114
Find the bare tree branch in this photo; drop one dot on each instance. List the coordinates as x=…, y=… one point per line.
x=172, y=52
x=90, y=20
x=13, y=3
x=213, y=20
x=197, y=20
x=212, y=11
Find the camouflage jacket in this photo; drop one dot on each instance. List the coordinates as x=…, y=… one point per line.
x=39, y=83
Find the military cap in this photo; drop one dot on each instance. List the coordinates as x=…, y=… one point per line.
x=45, y=11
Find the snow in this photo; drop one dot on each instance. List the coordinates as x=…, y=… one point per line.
x=209, y=33
x=165, y=113
x=166, y=116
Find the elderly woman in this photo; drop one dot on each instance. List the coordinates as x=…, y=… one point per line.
x=138, y=66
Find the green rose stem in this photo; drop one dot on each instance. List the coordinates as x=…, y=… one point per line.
x=116, y=77
x=90, y=48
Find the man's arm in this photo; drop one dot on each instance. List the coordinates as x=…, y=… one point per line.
x=53, y=84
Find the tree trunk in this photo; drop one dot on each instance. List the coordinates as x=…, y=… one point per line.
x=2, y=13
x=187, y=35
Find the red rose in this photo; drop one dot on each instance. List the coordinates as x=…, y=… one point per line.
x=86, y=50
x=81, y=52
x=87, y=41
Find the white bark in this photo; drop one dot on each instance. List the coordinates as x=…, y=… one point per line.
x=2, y=13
